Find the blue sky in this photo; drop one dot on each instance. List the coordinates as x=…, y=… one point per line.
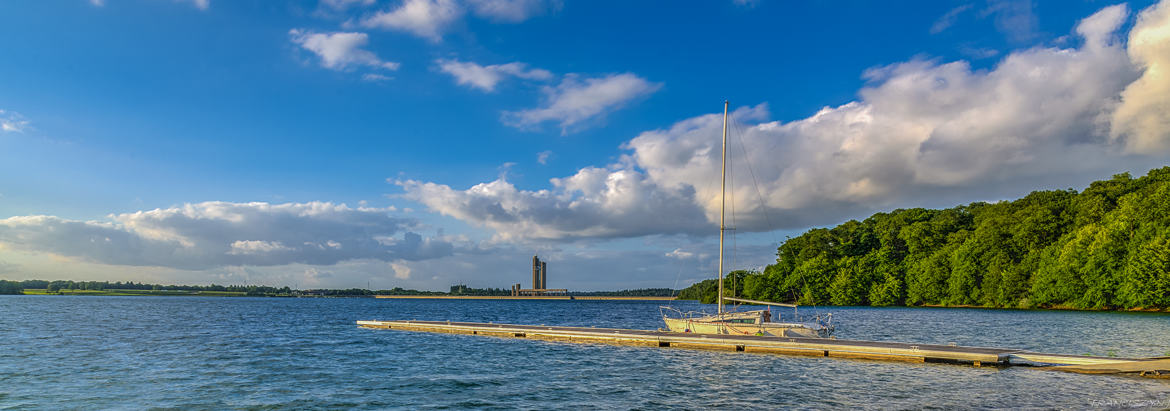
x=424, y=143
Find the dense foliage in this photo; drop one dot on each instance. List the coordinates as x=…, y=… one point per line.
x=639, y=292
x=1107, y=247
x=11, y=287
x=461, y=289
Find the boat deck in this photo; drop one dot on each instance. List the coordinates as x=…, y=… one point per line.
x=817, y=347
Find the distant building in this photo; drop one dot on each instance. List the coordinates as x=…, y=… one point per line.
x=537, y=273
x=539, y=282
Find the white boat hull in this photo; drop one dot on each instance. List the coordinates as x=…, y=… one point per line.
x=688, y=325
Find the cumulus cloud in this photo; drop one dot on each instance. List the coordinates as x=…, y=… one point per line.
x=543, y=156
x=216, y=234
x=486, y=77
x=401, y=270
x=594, y=203
x=577, y=99
x=424, y=18
x=1143, y=119
x=339, y=50
x=12, y=122
x=922, y=133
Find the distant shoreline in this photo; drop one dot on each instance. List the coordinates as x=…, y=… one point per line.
x=181, y=293
x=508, y=297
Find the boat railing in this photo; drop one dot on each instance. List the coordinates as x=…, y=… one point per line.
x=666, y=310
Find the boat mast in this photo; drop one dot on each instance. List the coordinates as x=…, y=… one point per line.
x=722, y=204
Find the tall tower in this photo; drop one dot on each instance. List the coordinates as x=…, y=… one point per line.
x=543, y=274
x=536, y=273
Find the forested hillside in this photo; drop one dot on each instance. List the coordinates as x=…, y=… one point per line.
x=1107, y=247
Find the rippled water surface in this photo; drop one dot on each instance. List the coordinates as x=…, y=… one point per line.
x=271, y=353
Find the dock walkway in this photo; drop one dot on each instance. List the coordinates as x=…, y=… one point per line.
x=817, y=347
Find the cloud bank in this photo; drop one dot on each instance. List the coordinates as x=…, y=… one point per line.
x=923, y=131
x=217, y=234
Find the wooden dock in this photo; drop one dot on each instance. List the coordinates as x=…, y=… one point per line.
x=815, y=347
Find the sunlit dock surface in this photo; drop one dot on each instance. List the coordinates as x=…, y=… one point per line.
x=816, y=347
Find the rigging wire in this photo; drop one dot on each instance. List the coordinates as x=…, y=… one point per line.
x=763, y=205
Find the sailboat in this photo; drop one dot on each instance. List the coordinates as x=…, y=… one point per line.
x=753, y=322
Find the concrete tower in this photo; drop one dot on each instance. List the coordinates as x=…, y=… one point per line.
x=536, y=273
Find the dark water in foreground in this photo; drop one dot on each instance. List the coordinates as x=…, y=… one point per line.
x=270, y=353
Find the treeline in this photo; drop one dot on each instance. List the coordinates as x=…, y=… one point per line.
x=18, y=287
x=706, y=290
x=1107, y=247
x=59, y=286
x=640, y=292
x=461, y=289
x=10, y=287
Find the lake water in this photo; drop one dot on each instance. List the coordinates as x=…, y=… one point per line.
x=275, y=353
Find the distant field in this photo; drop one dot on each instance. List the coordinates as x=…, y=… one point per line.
x=42, y=291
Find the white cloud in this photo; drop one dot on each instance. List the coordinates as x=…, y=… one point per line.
x=199, y=4
x=423, y=18
x=242, y=247
x=507, y=11
x=340, y=50
x=978, y=52
x=594, y=203
x=680, y=254
x=486, y=77
x=401, y=270
x=373, y=77
x=576, y=100
x=948, y=19
x=922, y=133
x=1143, y=119
x=431, y=19
x=216, y=234
x=1014, y=18
x=543, y=156
x=11, y=122
x=345, y=4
